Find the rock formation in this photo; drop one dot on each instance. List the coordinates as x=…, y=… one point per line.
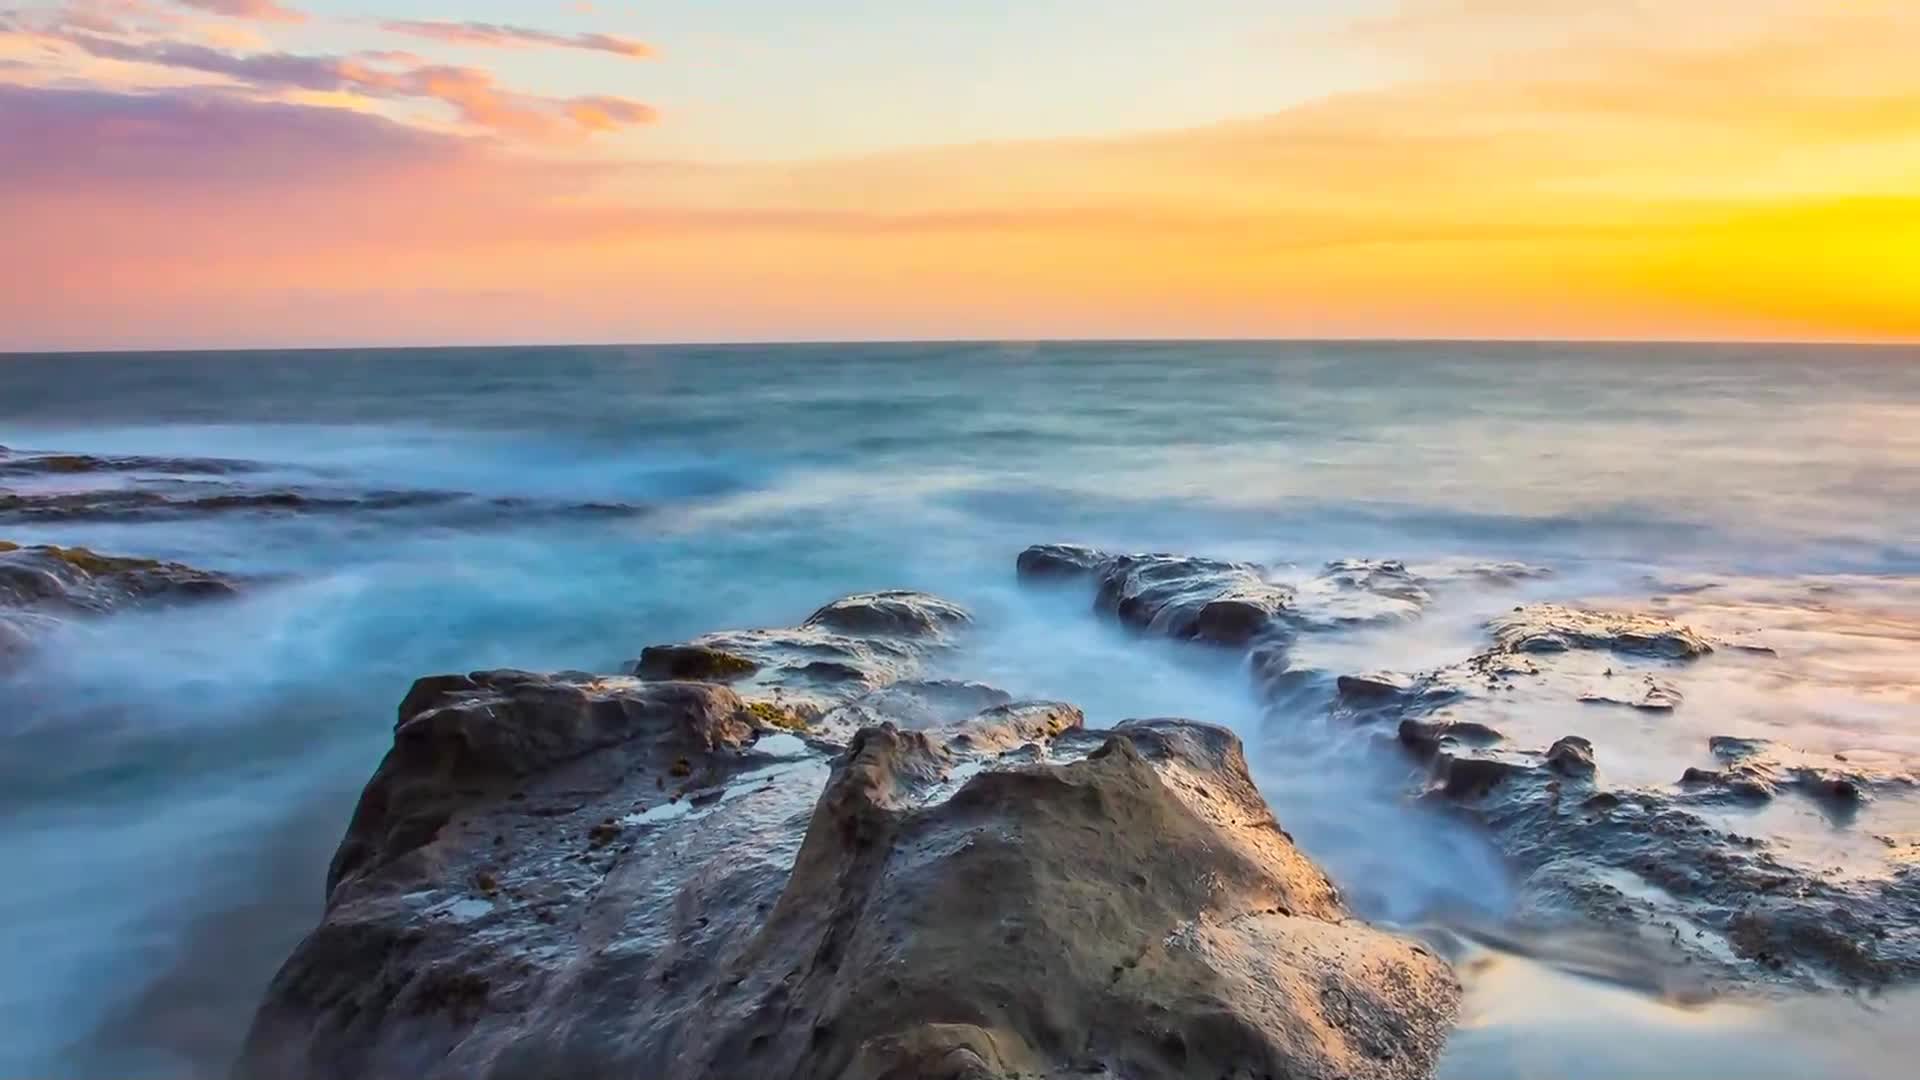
x=796, y=870
x=40, y=584
x=1672, y=863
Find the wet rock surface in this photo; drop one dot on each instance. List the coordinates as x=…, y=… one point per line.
x=608, y=876
x=79, y=579
x=27, y=463
x=1649, y=859
x=171, y=502
x=1236, y=604
x=1225, y=603
x=1762, y=863
x=51, y=487
x=42, y=583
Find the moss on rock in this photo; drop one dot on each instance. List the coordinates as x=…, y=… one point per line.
x=777, y=716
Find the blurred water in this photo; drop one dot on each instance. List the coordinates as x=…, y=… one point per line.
x=171, y=783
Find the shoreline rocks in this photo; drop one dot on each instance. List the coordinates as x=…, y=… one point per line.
x=607, y=876
x=1685, y=865
x=42, y=583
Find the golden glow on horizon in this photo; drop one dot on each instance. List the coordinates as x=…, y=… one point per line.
x=1759, y=180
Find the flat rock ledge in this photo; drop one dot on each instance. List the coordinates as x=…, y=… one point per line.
x=1685, y=867
x=579, y=876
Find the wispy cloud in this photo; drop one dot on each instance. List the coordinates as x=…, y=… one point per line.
x=1607, y=177
x=259, y=10
x=498, y=36
x=473, y=94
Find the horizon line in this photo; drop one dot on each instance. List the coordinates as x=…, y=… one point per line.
x=747, y=343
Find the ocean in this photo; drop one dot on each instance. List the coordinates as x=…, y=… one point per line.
x=172, y=781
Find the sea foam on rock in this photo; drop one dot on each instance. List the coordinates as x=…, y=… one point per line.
x=1682, y=864
x=574, y=876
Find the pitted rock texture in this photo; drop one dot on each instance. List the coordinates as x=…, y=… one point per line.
x=612, y=877
x=1549, y=628
x=849, y=648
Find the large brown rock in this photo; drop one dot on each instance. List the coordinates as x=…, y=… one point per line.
x=579, y=877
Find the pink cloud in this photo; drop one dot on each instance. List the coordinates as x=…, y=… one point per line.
x=259, y=10
x=470, y=92
x=608, y=113
x=495, y=35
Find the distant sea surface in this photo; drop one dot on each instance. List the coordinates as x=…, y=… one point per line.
x=172, y=782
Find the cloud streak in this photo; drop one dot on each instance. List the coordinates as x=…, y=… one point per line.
x=1614, y=182
x=498, y=36
x=257, y=10
x=471, y=93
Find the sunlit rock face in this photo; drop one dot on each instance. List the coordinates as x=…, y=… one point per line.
x=780, y=871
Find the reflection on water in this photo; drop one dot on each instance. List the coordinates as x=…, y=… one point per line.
x=1528, y=1020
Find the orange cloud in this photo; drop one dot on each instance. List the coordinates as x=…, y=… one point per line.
x=1615, y=182
x=495, y=35
x=260, y=10
x=471, y=93
x=608, y=113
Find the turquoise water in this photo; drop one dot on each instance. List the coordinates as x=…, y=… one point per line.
x=171, y=783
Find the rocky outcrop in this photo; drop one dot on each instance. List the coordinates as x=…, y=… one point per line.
x=597, y=877
x=27, y=463
x=1185, y=598
x=41, y=584
x=1247, y=605
x=1234, y=604
x=76, y=579
x=65, y=487
x=206, y=498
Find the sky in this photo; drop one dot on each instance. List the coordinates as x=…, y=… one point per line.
x=263, y=173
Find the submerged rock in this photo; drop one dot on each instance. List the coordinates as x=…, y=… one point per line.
x=206, y=499
x=1647, y=695
x=1760, y=769
x=616, y=877
x=31, y=463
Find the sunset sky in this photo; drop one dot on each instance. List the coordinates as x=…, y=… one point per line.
x=208, y=173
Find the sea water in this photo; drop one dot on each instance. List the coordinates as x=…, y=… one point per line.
x=172, y=782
